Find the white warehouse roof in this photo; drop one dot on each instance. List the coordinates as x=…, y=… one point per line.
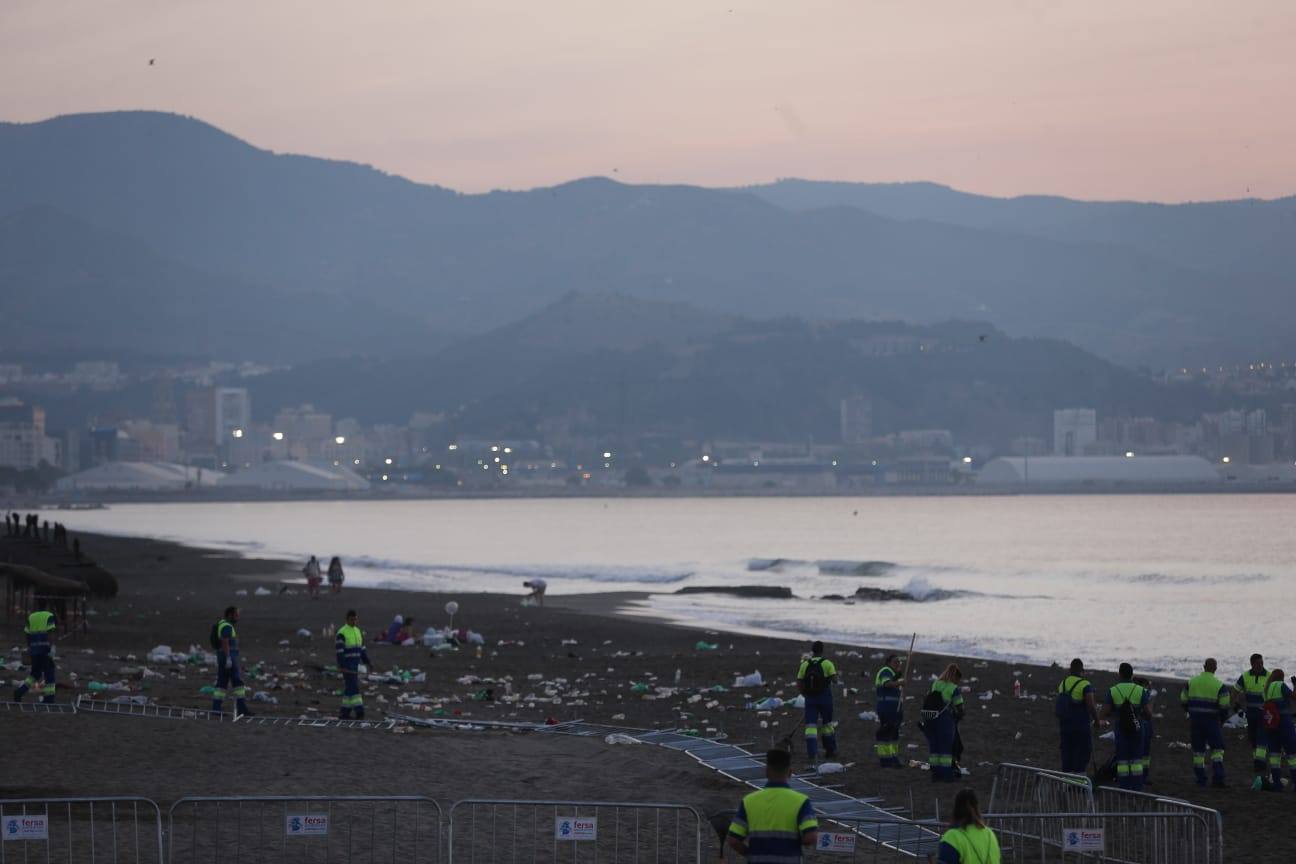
x=305, y=476
x=137, y=476
x=1061, y=470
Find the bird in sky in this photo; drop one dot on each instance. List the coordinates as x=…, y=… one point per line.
x=152, y=61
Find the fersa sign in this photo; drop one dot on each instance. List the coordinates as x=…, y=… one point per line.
x=306, y=824
x=1082, y=839
x=576, y=828
x=25, y=828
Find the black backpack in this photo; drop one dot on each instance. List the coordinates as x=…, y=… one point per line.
x=1129, y=719
x=1065, y=698
x=815, y=681
x=933, y=702
x=215, y=638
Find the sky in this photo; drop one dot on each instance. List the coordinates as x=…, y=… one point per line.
x=1166, y=100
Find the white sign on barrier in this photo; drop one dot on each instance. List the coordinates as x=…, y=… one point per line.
x=838, y=844
x=26, y=828
x=578, y=828
x=1082, y=839
x=306, y=824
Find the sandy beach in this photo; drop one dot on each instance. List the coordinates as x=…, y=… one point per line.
x=574, y=658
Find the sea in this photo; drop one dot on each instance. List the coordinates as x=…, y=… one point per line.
x=1159, y=581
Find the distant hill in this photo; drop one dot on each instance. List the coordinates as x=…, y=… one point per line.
x=442, y=262
x=776, y=380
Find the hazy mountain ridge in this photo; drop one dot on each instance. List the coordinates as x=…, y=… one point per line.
x=438, y=260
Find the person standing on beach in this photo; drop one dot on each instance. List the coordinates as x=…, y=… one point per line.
x=40, y=632
x=225, y=637
x=1250, y=693
x=1282, y=734
x=537, y=587
x=774, y=824
x=335, y=575
x=1206, y=700
x=313, y=578
x=815, y=678
x=943, y=700
x=890, y=711
x=1076, y=712
x=1129, y=702
x=350, y=654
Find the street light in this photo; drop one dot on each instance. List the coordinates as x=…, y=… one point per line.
x=967, y=460
x=1225, y=460
x=1129, y=454
x=388, y=460
x=237, y=433
x=278, y=436
x=341, y=439
x=607, y=454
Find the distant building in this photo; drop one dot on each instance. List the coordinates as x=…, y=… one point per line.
x=96, y=374
x=10, y=373
x=296, y=477
x=232, y=411
x=136, y=477
x=856, y=419
x=22, y=437
x=1060, y=471
x=1074, y=430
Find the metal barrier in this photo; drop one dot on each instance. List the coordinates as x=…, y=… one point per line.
x=89, y=705
x=1024, y=789
x=80, y=829
x=343, y=828
x=1111, y=799
x=314, y=722
x=38, y=707
x=551, y=832
x=1039, y=838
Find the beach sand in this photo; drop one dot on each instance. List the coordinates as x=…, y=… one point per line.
x=171, y=595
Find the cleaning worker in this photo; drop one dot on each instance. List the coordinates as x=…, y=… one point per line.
x=890, y=711
x=1077, y=713
x=774, y=824
x=1129, y=703
x=969, y=840
x=1249, y=692
x=942, y=701
x=40, y=633
x=815, y=678
x=1207, y=700
x=1282, y=735
x=350, y=654
x=225, y=641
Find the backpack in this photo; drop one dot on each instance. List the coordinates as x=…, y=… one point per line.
x=1065, y=698
x=214, y=638
x=1129, y=719
x=815, y=681
x=1271, y=716
x=933, y=704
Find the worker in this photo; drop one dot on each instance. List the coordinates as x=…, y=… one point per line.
x=1077, y=713
x=968, y=840
x=40, y=633
x=225, y=641
x=1282, y=737
x=1129, y=702
x=774, y=824
x=1249, y=693
x=1206, y=700
x=815, y=677
x=938, y=710
x=350, y=654
x=1149, y=729
x=890, y=711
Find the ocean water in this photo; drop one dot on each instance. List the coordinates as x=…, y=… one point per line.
x=1160, y=581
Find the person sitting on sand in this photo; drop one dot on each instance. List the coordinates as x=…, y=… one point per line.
x=405, y=633
x=968, y=840
x=335, y=575
x=393, y=630
x=313, y=577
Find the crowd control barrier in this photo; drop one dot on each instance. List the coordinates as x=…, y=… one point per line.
x=1111, y=799
x=1023, y=789
x=1034, y=838
x=571, y=832
x=75, y=830
x=402, y=829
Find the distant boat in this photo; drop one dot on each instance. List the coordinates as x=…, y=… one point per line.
x=855, y=568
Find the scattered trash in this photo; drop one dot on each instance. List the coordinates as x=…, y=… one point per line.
x=986, y=696
x=304, y=633
x=707, y=646
x=242, y=592
x=161, y=654
x=831, y=768
x=1111, y=736
x=769, y=703
x=752, y=680
x=261, y=592
x=620, y=738
x=868, y=715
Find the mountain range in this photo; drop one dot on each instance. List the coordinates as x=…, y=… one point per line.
x=162, y=232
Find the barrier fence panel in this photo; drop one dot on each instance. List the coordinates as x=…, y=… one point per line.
x=401, y=829
x=1024, y=789
x=75, y=830
x=1038, y=838
x=573, y=832
x=1111, y=799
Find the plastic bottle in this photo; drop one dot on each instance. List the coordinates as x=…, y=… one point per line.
x=1017, y=689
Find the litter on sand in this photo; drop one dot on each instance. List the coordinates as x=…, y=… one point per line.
x=620, y=738
x=752, y=680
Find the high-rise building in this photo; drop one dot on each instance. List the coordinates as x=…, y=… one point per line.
x=232, y=412
x=856, y=419
x=1074, y=430
x=22, y=436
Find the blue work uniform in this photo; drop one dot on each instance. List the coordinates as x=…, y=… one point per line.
x=1252, y=685
x=939, y=727
x=773, y=822
x=970, y=844
x=890, y=713
x=1206, y=700
x=819, y=709
x=350, y=654
x=1129, y=748
x=1282, y=741
x=39, y=631
x=1074, y=723
x=229, y=678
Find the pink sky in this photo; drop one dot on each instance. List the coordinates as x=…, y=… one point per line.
x=1152, y=99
